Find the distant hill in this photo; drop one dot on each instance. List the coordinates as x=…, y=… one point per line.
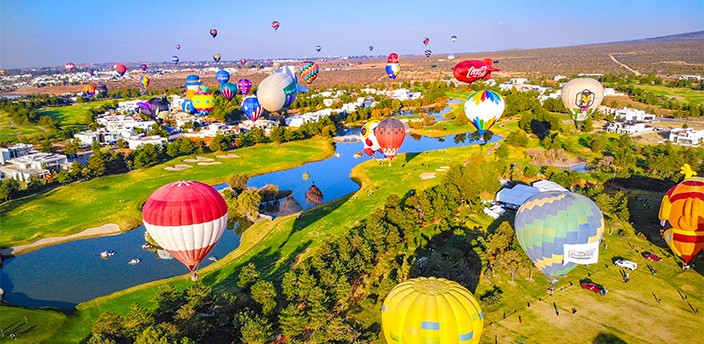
x=689, y=36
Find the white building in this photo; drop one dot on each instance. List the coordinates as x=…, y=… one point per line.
x=87, y=137
x=15, y=151
x=628, y=114
x=310, y=117
x=513, y=198
x=36, y=164
x=628, y=127
x=548, y=185
x=686, y=137
x=404, y=94
x=518, y=81
x=137, y=141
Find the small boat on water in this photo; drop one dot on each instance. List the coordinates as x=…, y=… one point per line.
x=134, y=261
x=147, y=246
x=357, y=155
x=213, y=258
x=337, y=155
x=107, y=254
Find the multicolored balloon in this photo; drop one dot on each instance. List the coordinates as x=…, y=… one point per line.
x=143, y=66
x=581, y=97
x=178, y=46
x=144, y=81
x=393, y=58
x=228, y=90
x=121, y=69
x=186, y=218
x=251, y=108
x=558, y=230
x=308, y=71
x=217, y=57
x=392, y=66
x=244, y=86
x=683, y=205
x=431, y=310
x=174, y=59
x=279, y=90
x=203, y=102
x=3, y=72
x=275, y=24
x=453, y=38
x=484, y=108
x=317, y=48
x=187, y=106
x=222, y=76
x=213, y=32
x=193, y=85
x=314, y=195
x=70, y=66
x=371, y=144
x=390, y=134
x=470, y=71
x=426, y=40
x=428, y=52
x=243, y=61
x=89, y=90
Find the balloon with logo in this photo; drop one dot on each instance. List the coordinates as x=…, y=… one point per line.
x=186, y=218
x=228, y=90
x=251, y=108
x=121, y=69
x=308, y=71
x=70, y=66
x=275, y=24
x=244, y=86
x=213, y=32
x=682, y=208
x=203, y=102
x=581, y=97
x=89, y=90
x=317, y=48
x=193, y=84
x=484, y=108
x=558, y=230
x=174, y=59
x=428, y=52
x=470, y=71
x=217, y=57
x=144, y=81
x=392, y=66
x=279, y=90
x=390, y=134
x=426, y=40
x=431, y=310
x=222, y=76
x=371, y=144
x=453, y=38
x=143, y=66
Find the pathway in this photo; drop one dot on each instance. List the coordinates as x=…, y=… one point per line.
x=624, y=65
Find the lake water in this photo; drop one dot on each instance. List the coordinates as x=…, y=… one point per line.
x=66, y=274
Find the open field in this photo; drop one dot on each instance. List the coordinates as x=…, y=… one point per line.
x=687, y=95
x=76, y=115
x=10, y=131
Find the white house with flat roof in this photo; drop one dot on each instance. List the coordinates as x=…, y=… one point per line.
x=514, y=197
x=36, y=164
x=686, y=136
x=628, y=127
x=635, y=115
x=15, y=151
x=87, y=137
x=137, y=141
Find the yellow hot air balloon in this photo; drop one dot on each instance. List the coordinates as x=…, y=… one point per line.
x=581, y=97
x=683, y=205
x=431, y=310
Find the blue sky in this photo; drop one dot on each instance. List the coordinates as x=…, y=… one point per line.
x=37, y=33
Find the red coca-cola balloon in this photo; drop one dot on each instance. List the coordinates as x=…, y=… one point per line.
x=470, y=71
x=390, y=134
x=393, y=58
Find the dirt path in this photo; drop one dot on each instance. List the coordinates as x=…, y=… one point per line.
x=108, y=229
x=624, y=65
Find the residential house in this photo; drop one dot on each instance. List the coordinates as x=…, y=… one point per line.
x=15, y=151
x=137, y=141
x=628, y=127
x=36, y=164
x=686, y=136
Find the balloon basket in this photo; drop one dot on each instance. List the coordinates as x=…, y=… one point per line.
x=194, y=276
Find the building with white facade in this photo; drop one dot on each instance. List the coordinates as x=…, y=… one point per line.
x=87, y=137
x=36, y=164
x=628, y=127
x=686, y=136
x=514, y=197
x=15, y=151
x=137, y=141
x=310, y=117
x=635, y=115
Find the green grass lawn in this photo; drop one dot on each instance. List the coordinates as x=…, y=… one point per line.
x=118, y=199
x=9, y=131
x=687, y=95
x=76, y=115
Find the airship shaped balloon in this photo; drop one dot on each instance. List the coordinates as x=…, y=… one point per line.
x=186, y=219
x=581, y=97
x=308, y=71
x=251, y=108
x=484, y=108
x=390, y=134
x=228, y=90
x=371, y=144
x=222, y=76
x=470, y=71
x=203, y=102
x=121, y=69
x=392, y=66
x=244, y=86
x=70, y=66
x=278, y=90
x=431, y=310
x=558, y=230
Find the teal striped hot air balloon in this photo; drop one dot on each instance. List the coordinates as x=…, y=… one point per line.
x=559, y=229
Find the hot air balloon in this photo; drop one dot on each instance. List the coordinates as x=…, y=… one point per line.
x=371, y=47
x=217, y=57
x=559, y=229
x=174, y=59
x=581, y=97
x=102, y=90
x=178, y=46
x=121, y=69
x=278, y=90
x=89, y=90
x=390, y=134
x=251, y=108
x=157, y=107
x=222, y=76
x=193, y=84
x=244, y=86
x=685, y=244
x=213, y=32
x=275, y=24
x=3, y=72
x=451, y=57
x=431, y=310
x=317, y=48
x=484, y=108
x=203, y=102
x=187, y=106
x=371, y=144
x=91, y=71
x=308, y=71
x=314, y=195
x=144, y=81
x=683, y=205
x=470, y=71
x=392, y=66
x=186, y=218
x=393, y=58
x=143, y=66
x=426, y=40
x=228, y=90
x=70, y=66
x=453, y=38
x=428, y=52
x=243, y=61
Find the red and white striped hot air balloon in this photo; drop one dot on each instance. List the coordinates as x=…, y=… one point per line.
x=186, y=218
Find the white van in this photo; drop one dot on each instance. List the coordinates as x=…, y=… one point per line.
x=626, y=264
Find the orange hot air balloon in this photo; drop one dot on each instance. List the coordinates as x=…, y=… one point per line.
x=390, y=134
x=683, y=205
x=683, y=243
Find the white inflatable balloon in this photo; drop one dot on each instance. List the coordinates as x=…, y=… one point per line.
x=278, y=90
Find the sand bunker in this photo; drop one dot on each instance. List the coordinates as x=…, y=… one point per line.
x=198, y=159
x=228, y=156
x=427, y=175
x=178, y=167
x=206, y=163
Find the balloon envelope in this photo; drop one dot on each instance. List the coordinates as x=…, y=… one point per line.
x=174, y=59
x=371, y=144
x=144, y=81
x=187, y=106
x=549, y=223
x=426, y=40
x=178, y=46
x=428, y=52
x=390, y=134
x=70, y=66
x=392, y=70
x=143, y=66
x=308, y=71
x=275, y=24
x=453, y=38
x=251, y=108
x=121, y=69
x=278, y=90
x=683, y=205
x=186, y=219
x=371, y=47
x=244, y=86
x=581, y=97
x=203, y=102
x=89, y=90
x=470, y=71
x=228, y=90
x=484, y=108
x=685, y=244
x=314, y=195
x=317, y=48
x=222, y=76
x=213, y=32
x=431, y=310
x=217, y=57
x=393, y=58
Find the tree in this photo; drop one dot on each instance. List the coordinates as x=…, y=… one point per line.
x=264, y=293
x=588, y=125
x=254, y=329
x=8, y=187
x=277, y=134
x=237, y=181
x=63, y=177
x=511, y=262
x=502, y=151
x=96, y=165
x=72, y=147
x=247, y=276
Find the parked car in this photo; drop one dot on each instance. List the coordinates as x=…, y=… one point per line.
x=626, y=264
x=651, y=256
x=597, y=288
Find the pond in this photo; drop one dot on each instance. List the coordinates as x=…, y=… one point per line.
x=66, y=274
